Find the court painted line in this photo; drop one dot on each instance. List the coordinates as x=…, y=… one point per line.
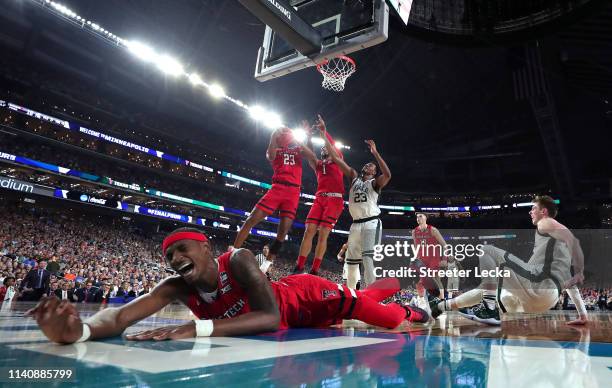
x=203, y=354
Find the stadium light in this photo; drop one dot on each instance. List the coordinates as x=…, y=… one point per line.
x=216, y=91
x=299, y=135
x=195, y=79
x=166, y=64
x=318, y=141
x=141, y=51
x=170, y=66
x=272, y=120
x=257, y=112
x=339, y=145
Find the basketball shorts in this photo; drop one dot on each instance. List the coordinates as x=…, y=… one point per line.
x=531, y=293
x=280, y=197
x=325, y=211
x=362, y=239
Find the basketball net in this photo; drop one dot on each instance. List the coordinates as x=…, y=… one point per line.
x=336, y=71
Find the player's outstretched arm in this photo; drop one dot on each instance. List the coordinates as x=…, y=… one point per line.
x=310, y=156
x=308, y=144
x=61, y=323
x=385, y=177
x=272, y=147
x=333, y=152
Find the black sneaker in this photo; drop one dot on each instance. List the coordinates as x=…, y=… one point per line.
x=313, y=272
x=483, y=314
x=415, y=314
x=297, y=271
x=433, y=305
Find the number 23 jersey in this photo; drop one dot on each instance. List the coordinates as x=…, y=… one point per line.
x=287, y=165
x=363, y=199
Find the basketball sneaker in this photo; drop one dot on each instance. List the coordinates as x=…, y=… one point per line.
x=297, y=271
x=483, y=314
x=314, y=272
x=415, y=314
x=433, y=305
x=423, y=304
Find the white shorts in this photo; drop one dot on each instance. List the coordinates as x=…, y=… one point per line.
x=363, y=236
x=524, y=294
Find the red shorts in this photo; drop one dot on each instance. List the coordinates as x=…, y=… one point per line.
x=311, y=301
x=432, y=262
x=325, y=211
x=280, y=197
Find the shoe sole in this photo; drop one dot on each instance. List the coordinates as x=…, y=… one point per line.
x=422, y=312
x=488, y=321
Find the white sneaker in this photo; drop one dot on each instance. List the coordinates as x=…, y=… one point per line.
x=423, y=304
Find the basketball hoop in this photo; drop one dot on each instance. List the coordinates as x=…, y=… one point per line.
x=336, y=71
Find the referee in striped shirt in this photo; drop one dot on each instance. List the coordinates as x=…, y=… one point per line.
x=263, y=256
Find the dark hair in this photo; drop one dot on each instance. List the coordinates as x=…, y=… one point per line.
x=548, y=203
x=6, y=279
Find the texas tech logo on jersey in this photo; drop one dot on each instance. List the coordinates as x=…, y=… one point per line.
x=329, y=293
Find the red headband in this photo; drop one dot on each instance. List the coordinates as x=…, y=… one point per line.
x=196, y=236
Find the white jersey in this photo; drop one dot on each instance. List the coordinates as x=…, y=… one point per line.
x=363, y=199
x=551, y=253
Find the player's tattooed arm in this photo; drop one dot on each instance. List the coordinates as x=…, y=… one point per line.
x=273, y=146
x=264, y=315
x=385, y=177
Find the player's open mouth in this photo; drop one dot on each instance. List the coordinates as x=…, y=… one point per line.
x=186, y=269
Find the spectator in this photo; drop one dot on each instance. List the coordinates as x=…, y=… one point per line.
x=65, y=293
x=86, y=294
x=103, y=294
x=7, y=291
x=36, y=283
x=53, y=265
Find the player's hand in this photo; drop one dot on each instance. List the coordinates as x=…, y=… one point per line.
x=582, y=320
x=59, y=321
x=307, y=127
x=578, y=278
x=174, y=332
x=372, y=146
x=320, y=124
x=340, y=259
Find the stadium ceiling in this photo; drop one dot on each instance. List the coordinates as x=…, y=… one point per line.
x=446, y=117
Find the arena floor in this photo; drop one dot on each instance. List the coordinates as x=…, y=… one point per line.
x=527, y=351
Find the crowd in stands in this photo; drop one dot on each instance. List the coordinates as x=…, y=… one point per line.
x=46, y=252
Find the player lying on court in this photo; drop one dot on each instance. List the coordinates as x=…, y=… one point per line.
x=285, y=154
x=230, y=296
x=533, y=286
x=327, y=207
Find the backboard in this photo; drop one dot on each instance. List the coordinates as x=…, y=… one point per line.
x=344, y=26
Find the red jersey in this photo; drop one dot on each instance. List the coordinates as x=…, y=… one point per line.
x=430, y=248
x=303, y=300
x=229, y=301
x=287, y=165
x=329, y=177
